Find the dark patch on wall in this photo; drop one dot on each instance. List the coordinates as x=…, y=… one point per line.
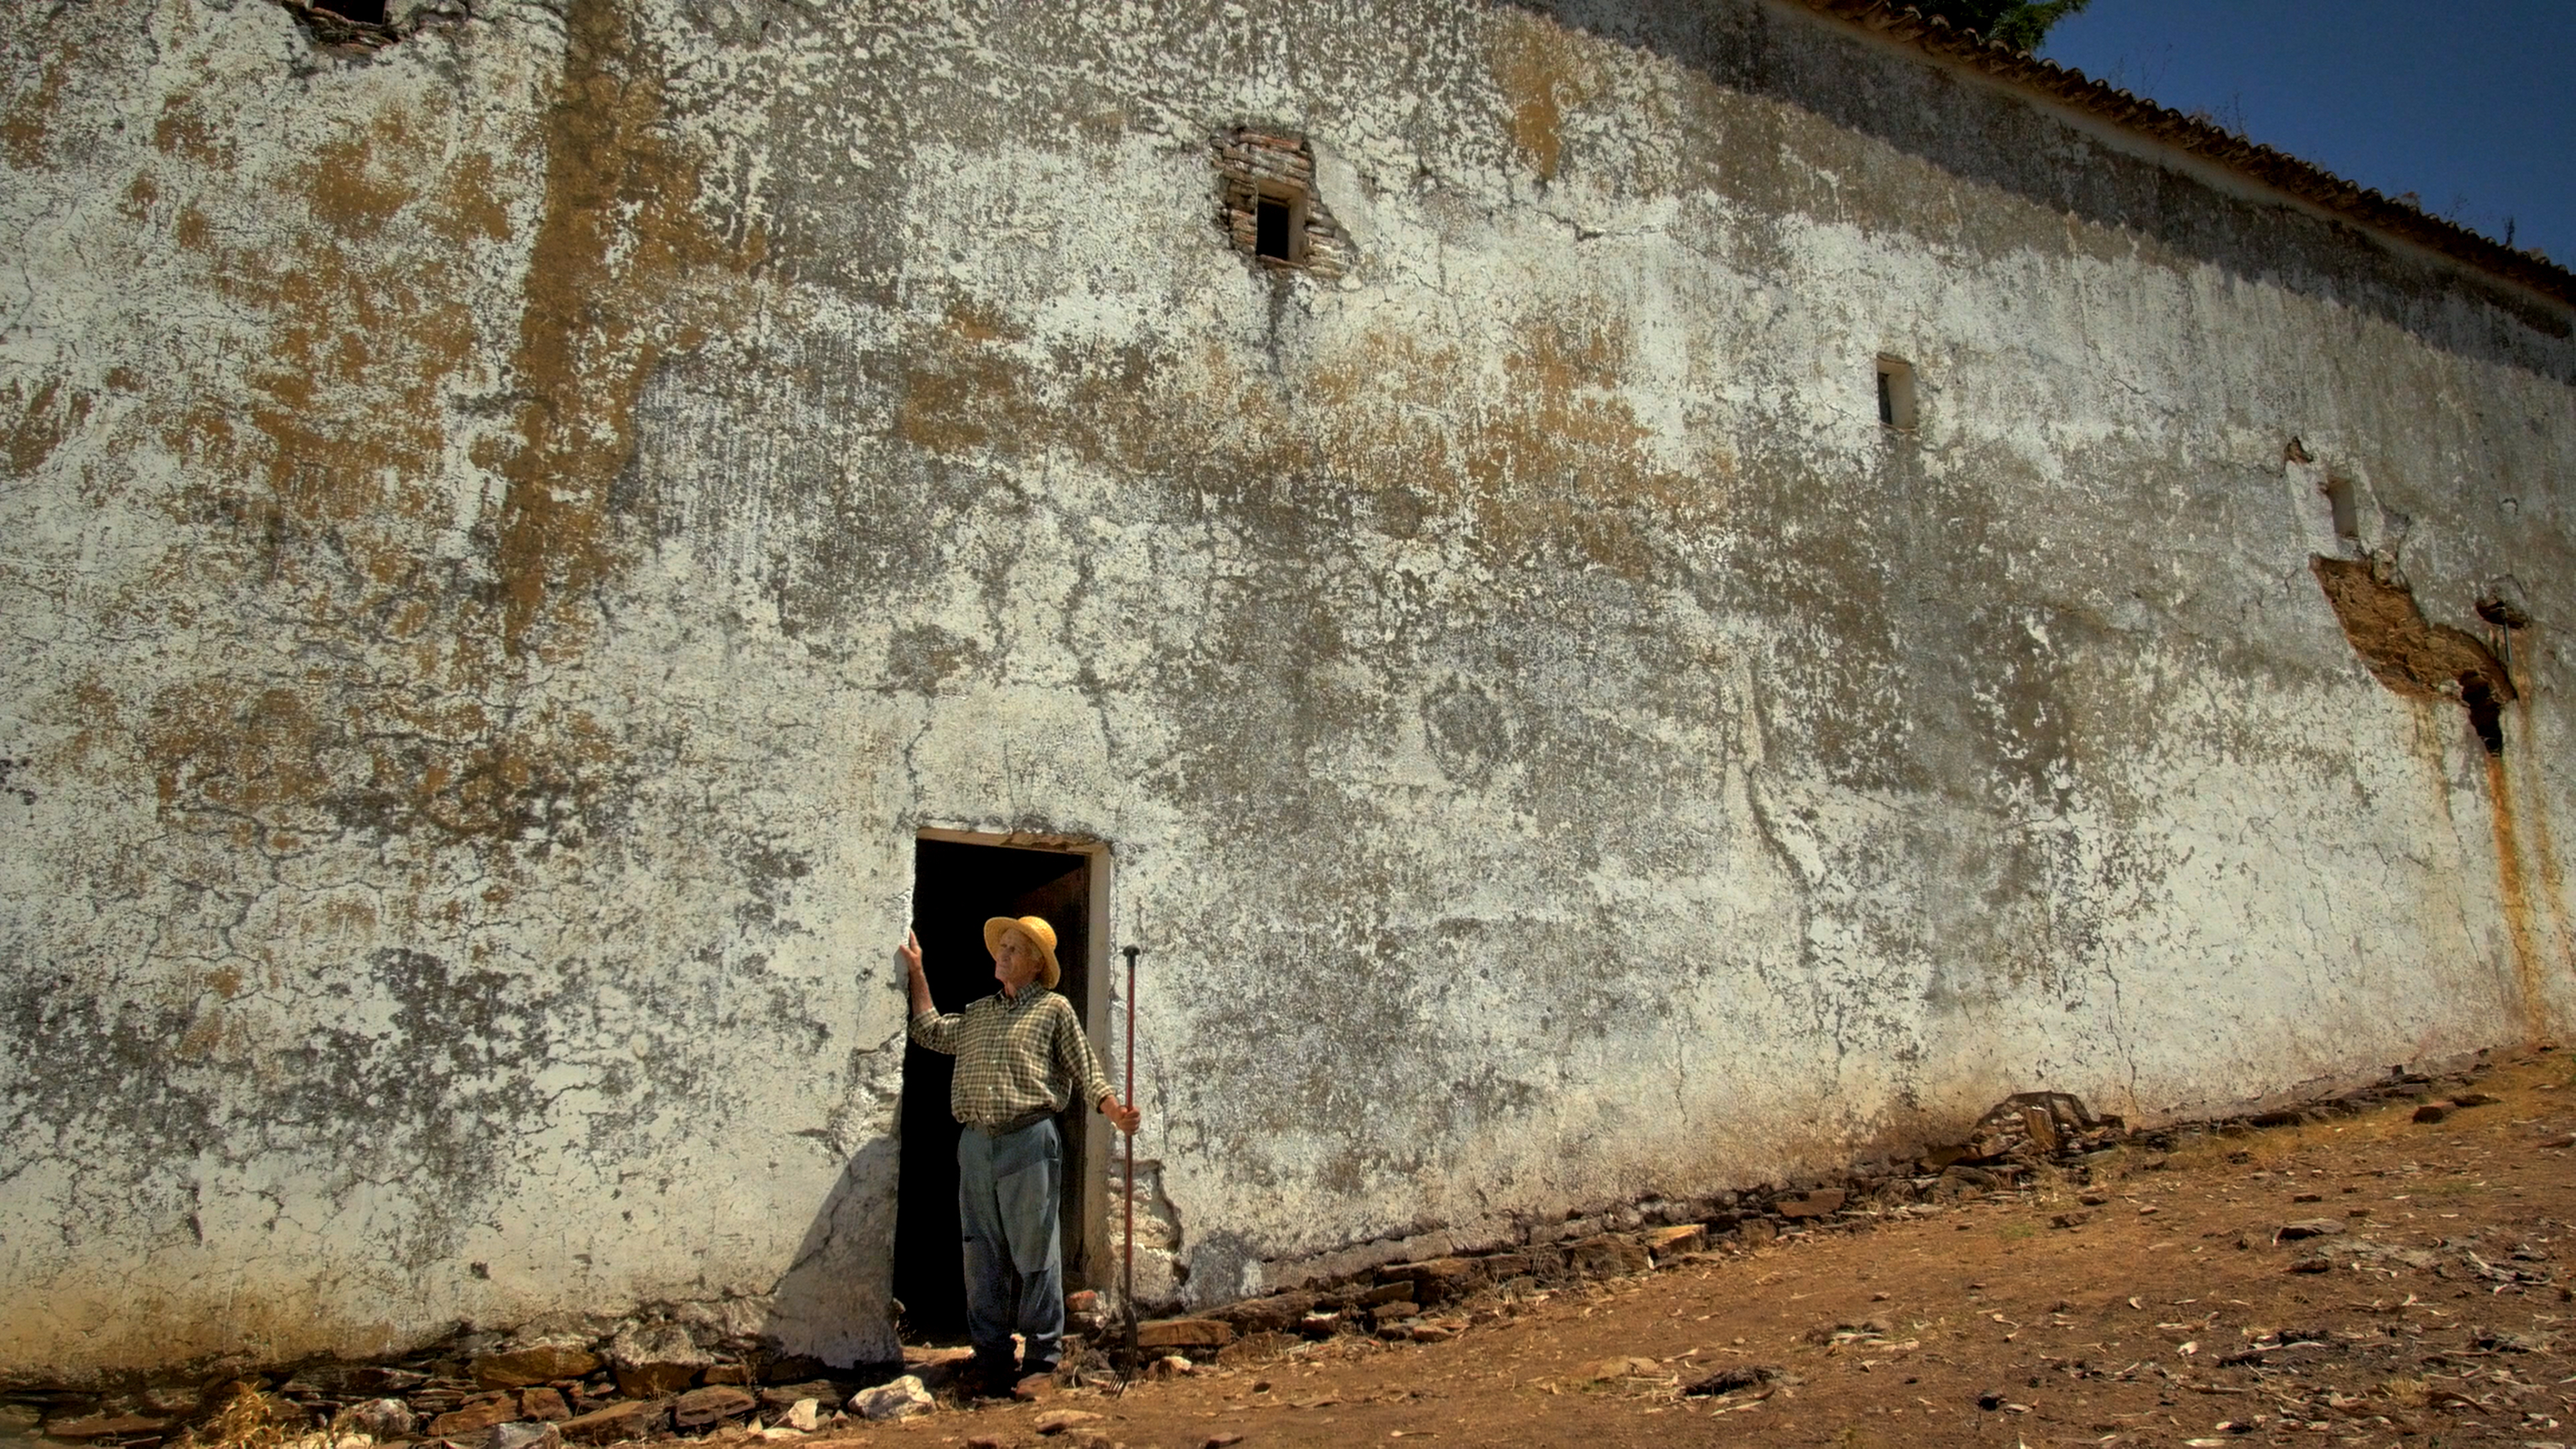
x=2411, y=655
x=921, y=658
x=13, y=778
x=281, y=767
x=1471, y=732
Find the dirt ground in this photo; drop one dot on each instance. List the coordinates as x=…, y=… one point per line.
x=2157, y=1303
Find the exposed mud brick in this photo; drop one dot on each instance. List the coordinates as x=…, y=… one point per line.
x=727, y=1373
x=475, y=1417
x=713, y=1404
x=530, y=1366
x=1401, y=1309
x=1813, y=1205
x=2410, y=654
x=1384, y=1293
x=617, y=1421
x=543, y=1404
x=1276, y=1314
x=1756, y=1230
x=1607, y=1256
x=1183, y=1333
x=1499, y=1266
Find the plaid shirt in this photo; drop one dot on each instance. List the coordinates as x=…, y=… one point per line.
x=1015, y=1058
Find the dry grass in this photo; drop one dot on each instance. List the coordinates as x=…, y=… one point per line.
x=251, y=1420
x=2406, y=1393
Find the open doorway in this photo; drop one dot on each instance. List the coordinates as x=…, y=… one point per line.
x=958, y=882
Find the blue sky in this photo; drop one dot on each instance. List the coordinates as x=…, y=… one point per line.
x=2468, y=104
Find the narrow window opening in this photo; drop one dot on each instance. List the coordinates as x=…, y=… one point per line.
x=2347, y=513
x=365, y=12
x=1274, y=230
x=2486, y=712
x=1895, y=393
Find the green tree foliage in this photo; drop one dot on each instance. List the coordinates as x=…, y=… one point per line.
x=2021, y=24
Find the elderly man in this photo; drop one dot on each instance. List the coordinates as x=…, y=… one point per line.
x=1020, y=1056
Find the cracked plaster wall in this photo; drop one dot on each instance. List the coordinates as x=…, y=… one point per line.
x=510, y=537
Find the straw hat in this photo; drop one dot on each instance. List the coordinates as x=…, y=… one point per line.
x=1039, y=934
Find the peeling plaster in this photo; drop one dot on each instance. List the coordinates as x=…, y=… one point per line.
x=514, y=531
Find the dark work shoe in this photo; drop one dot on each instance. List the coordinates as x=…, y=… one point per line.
x=1034, y=1386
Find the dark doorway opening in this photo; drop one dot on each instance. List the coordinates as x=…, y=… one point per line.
x=956, y=886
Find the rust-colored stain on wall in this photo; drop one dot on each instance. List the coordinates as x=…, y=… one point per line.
x=1543, y=73
x=610, y=290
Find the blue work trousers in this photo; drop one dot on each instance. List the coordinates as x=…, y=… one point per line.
x=1007, y=1190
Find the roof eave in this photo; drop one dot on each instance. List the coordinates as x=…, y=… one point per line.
x=2309, y=183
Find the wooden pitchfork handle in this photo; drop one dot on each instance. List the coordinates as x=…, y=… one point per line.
x=1127, y=1292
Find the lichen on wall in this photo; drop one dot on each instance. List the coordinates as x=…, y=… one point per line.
x=526, y=522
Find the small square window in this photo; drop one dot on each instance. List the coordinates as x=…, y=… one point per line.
x=1895, y=393
x=1274, y=226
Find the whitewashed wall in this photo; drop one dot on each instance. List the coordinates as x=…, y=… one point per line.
x=509, y=538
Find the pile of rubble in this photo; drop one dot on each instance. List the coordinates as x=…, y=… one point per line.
x=548, y=1386
x=485, y=1391
x=2014, y=1141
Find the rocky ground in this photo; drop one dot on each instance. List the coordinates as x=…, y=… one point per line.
x=2385, y=1271
x=2362, y=1279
